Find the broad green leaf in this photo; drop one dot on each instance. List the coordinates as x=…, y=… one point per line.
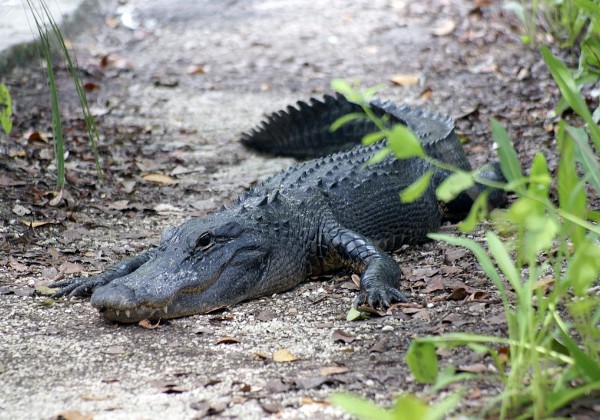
x=373, y=137
x=345, y=119
x=477, y=213
x=584, y=267
x=378, y=156
x=422, y=361
x=415, y=190
x=539, y=235
x=360, y=407
x=5, y=109
x=509, y=161
x=350, y=92
x=452, y=186
x=409, y=407
x=355, y=315
x=570, y=91
x=404, y=143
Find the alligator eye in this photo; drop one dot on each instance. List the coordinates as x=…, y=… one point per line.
x=204, y=242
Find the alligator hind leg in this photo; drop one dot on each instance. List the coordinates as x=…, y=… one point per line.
x=380, y=274
x=82, y=287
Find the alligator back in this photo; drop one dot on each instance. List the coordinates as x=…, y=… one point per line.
x=304, y=131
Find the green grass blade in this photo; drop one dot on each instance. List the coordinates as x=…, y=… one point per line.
x=509, y=161
x=570, y=91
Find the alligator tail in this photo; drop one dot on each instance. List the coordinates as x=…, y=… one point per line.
x=303, y=131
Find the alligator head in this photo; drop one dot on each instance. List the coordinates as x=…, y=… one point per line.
x=202, y=265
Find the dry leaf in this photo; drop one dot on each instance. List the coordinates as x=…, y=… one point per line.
x=196, y=70
x=342, y=336
x=34, y=224
x=444, y=28
x=20, y=210
x=148, y=325
x=405, y=79
x=333, y=370
x=159, y=178
x=16, y=265
x=55, y=201
x=284, y=355
x=227, y=340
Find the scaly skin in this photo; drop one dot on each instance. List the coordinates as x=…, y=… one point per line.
x=318, y=216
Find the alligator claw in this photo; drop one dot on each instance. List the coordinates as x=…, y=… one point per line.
x=79, y=287
x=379, y=298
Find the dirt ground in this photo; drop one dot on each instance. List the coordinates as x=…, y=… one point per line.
x=172, y=86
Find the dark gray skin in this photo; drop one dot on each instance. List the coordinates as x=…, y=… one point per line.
x=319, y=216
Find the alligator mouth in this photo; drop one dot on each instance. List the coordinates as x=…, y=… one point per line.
x=136, y=314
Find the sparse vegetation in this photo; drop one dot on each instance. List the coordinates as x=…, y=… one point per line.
x=50, y=40
x=544, y=253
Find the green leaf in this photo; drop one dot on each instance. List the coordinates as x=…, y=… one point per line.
x=504, y=261
x=350, y=92
x=452, y=186
x=345, y=119
x=570, y=91
x=509, y=161
x=584, y=267
x=478, y=213
x=422, y=361
x=415, y=190
x=586, y=157
x=5, y=109
x=373, y=137
x=409, y=407
x=355, y=315
x=588, y=367
x=378, y=156
x=404, y=143
x=360, y=407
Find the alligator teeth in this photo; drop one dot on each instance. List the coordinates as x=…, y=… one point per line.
x=128, y=313
x=165, y=309
x=117, y=312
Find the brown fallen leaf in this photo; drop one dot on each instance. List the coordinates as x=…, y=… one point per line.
x=34, y=224
x=333, y=370
x=405, y=79
x=227, y=340
x=195, y=69
x=342, y=336
x=159, y=178
x=148, y=325
x=284, y=355
x=459, y=293
x=436, y=283
x=473, y=368
x=16, y=265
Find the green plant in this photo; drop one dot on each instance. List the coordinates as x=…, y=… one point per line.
x=406, y=407
x=50, y=35
x=546, y=244
x=5, y=109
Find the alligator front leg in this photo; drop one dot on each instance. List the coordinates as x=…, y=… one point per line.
x=380, y=274
x=82, y=287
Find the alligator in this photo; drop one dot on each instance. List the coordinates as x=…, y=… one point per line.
x=333, y=212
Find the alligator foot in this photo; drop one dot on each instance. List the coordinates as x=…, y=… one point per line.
x=378, y=297
x=83, y=287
